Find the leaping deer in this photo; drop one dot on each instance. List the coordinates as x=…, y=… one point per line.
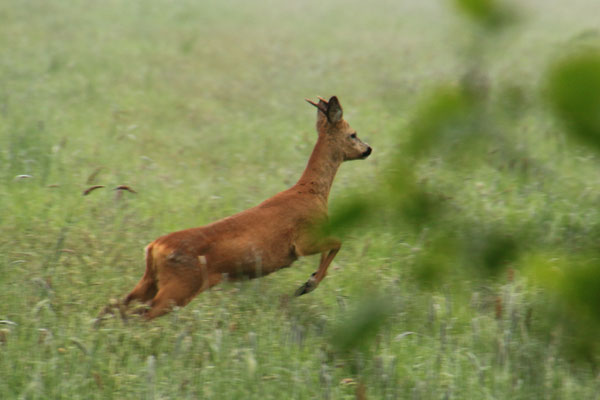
x=257, y=241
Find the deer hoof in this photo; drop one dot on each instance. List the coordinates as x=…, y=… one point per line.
x=308, y=287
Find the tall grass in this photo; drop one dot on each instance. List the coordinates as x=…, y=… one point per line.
x=198, y=106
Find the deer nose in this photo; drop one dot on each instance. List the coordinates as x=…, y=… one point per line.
x=367, y=152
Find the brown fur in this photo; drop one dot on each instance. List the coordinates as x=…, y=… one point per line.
x=257, y=241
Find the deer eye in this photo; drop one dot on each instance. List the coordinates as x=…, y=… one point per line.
x=353, y=136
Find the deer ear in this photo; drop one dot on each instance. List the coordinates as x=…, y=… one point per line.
x=334, y=110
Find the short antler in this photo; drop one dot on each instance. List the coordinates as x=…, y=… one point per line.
x=322, y=105
x=331, y=109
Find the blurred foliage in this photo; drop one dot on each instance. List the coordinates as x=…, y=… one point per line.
x=574, y=93
x=491, y=14
x=572, y=286
x=455, y=125
x=442, y=119
x=357, y=329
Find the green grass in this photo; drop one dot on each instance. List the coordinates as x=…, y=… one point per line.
x=199, y=107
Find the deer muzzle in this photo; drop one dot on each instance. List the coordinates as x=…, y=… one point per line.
x=366, y=153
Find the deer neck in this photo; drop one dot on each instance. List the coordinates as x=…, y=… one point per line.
x=320, y=171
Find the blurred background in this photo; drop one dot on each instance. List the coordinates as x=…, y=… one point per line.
x=470, y=265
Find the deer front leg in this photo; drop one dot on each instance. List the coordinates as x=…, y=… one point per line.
x=332, y=247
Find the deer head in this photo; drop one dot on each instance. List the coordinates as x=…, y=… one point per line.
x=332, y=128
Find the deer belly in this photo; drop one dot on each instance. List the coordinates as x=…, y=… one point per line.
x=249, y=262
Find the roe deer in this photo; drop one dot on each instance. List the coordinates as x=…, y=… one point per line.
x=257, y=241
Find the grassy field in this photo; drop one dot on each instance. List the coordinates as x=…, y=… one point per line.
x=198, y=106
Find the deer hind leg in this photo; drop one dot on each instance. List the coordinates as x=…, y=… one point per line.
x=147, y=287
x=143, y=292
x=170, y=296
x=178, y=287
x=330, y=249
